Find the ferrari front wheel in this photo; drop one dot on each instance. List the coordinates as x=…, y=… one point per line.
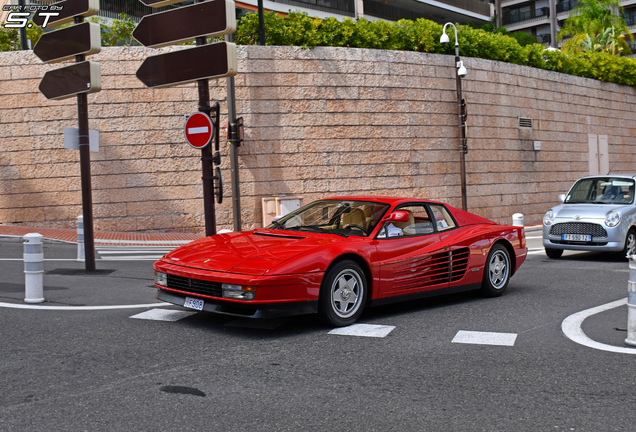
x=496, y=272
x=343, y=294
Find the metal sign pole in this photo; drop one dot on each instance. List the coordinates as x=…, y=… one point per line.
x=206, y=154
x=234, y=143
x=85, y=171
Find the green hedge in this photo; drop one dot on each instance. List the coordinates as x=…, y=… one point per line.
x=299, y=29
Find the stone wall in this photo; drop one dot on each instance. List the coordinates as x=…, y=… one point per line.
x=321, y=122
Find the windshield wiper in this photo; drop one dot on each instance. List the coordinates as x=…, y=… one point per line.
x=278, y=225
x=322, y=230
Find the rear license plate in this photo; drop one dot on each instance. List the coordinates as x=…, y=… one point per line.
x=577, y=237
x=193, y=303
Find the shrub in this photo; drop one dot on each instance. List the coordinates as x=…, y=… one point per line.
x=298, y=29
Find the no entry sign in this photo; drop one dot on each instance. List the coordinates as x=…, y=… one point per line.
x=199, y=130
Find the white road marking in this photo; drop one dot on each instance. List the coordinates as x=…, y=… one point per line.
x=45, y=259
x=571, y=327
x=80, y=308
x=366, y=330
x=534, y=237
x=536, y=252
x=485, y=338
x=163, y=315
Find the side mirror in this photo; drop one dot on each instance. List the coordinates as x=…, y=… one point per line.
x=562, y=197
x=397, y=216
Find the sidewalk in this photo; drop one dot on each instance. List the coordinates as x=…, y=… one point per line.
x=103, y=238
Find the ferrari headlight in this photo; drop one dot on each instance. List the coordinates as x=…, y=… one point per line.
x=548, y=219
x=161, y=278
x=238, y=292
x=613, y=218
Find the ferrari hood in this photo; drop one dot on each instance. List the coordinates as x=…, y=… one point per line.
x=236, y=250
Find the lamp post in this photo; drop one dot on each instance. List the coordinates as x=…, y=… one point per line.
x=461, y=108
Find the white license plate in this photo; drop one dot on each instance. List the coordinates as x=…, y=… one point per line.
x=193, y=303
x=577, y=237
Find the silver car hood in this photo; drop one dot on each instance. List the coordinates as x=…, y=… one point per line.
x=585, y=211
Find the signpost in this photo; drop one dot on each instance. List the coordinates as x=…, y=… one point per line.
x=197, y=22
x=76, y=80
x=186, y=23
x=66, y=82
x=189, y=65
x=199, y=130
x=65, y=44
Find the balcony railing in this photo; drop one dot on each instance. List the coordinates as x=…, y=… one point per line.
x=343, y=7
x=515, y=16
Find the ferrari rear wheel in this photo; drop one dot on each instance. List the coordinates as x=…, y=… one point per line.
x=343, y=294
x=496, y=272
x=553, y=253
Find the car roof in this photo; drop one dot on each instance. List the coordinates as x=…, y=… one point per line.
x=632, y=176
x=380, y=199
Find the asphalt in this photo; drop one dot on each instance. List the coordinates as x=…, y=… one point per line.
x=130, y=283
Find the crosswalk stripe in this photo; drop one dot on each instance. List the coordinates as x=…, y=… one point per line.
x=366, y=330
x=163, y=315
x=485, y=338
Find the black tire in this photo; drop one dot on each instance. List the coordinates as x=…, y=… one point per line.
x=630, y=243
x=496, y=272
x=343, y=294
x=554, y=253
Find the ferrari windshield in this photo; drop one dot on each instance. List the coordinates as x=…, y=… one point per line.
x=343, y=218
x=602, y=190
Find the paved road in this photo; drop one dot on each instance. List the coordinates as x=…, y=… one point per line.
x=103, y=370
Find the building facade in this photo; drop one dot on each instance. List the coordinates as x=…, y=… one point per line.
x=442, y=11
x=544, y=18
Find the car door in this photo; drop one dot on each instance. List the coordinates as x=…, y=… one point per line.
x=450, y=237
x=414, y=259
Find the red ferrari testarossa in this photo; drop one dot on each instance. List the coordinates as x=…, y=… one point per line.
x=338, y=255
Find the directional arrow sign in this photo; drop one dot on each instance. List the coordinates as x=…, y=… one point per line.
x=69, y=10
x=63, y=44
x=62, y=83
x=216, y=60
x=210, y=18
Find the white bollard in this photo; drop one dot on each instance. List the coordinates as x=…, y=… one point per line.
x=631, y=302
x=81, y=252
x=517, y=219
x=33, y=268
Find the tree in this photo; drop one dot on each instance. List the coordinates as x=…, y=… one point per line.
x=10, y=37
x=593, y=18
x=118, y=32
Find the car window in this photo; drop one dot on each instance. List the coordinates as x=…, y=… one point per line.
x=419, y=223
x=443, y=220
x=602, y=190
x=341, y=217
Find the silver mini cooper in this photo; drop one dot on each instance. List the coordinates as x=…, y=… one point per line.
x=597, y=214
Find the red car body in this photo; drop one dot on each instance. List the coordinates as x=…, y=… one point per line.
x=286, y=268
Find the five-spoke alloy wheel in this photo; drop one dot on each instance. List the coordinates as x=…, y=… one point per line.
x=343, y=294
x=496, y=272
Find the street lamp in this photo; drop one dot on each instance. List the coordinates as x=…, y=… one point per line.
x=461, y=72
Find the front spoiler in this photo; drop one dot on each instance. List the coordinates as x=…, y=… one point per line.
x=260, y=310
